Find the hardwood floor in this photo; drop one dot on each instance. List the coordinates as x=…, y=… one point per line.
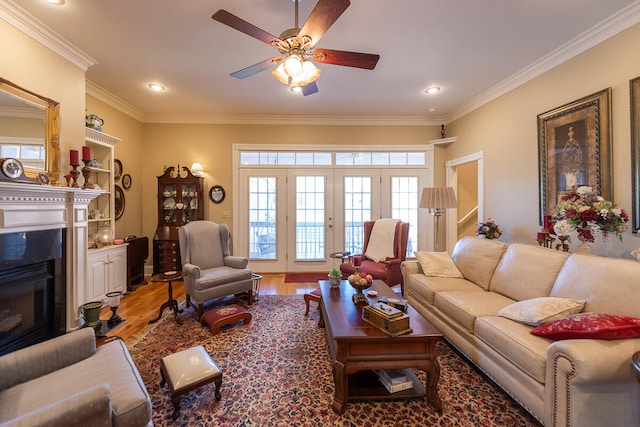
x=139, y=306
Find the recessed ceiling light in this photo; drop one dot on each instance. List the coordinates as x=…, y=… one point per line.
x=156, y=87
x=432, y=90
x=56, y=2
x=296, y=89
x=432, y=110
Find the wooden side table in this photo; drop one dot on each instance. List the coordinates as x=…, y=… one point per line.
x=171, y=303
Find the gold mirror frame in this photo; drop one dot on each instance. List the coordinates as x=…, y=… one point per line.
x=52, y=129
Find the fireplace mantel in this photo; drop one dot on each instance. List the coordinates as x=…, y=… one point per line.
x=32, y=207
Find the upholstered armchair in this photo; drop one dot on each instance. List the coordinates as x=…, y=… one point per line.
x=381, y=264
x=211, y=272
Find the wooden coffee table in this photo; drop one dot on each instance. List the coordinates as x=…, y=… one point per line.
x=357, y=347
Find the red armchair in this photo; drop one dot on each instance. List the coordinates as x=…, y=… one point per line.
x=389, y=269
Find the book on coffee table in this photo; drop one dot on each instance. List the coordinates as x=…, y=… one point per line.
x=393, y=376
x=393, y=387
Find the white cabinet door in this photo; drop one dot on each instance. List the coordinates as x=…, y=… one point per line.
x=107, y=271
x=97, y=276
x=118, y=269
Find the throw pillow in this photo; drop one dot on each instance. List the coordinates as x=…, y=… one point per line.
x=600, y=326
x=437, y=264
x=537, y=311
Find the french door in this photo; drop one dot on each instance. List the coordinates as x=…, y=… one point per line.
x=293, y=219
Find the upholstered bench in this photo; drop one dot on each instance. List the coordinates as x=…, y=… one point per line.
x=227, y=315
x=188, y=370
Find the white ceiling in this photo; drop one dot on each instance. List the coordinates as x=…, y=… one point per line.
x=472, y=49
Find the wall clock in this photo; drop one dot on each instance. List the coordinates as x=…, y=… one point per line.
x=216, y=194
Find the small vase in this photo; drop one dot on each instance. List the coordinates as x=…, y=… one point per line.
x=584, y=247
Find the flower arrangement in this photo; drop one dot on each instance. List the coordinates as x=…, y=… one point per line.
x=587, y=213
x=489, y=229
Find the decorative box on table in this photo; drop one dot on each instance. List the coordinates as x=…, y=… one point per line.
x=399, y=303
x=386, y=318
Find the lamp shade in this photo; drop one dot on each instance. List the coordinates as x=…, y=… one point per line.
x=197, y=169
x=438, y=198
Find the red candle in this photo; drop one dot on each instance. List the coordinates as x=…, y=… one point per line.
x=73, y=157
x=547, y=222
x=541, y=236
x=356, y=261
x=86, y=153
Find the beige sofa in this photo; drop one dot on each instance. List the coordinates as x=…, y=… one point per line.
x=572, y=382
x=67, y=382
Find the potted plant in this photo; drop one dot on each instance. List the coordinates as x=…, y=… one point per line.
x=335, y=276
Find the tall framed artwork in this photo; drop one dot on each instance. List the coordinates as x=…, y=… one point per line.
x=634, y=90
x=574, y=149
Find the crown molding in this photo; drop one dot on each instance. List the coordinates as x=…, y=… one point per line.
x=295, y=120
x=606, y=29
x=110, y=99
x=31, y=26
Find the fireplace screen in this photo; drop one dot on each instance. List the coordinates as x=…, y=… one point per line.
x=32, y=288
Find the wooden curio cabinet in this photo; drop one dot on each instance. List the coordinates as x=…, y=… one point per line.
x=180, y=200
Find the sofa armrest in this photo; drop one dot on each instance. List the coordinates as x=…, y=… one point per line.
x=40, y=359
x=592, y=361
x=236, y=261
x=410, y=267
x=91, y=407
x=191, y=270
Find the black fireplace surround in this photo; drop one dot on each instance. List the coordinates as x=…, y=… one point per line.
x=32, y=288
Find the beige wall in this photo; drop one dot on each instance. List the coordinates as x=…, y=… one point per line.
x=505, y=130
x=32, y=66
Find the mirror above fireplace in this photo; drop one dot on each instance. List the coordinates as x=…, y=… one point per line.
x=29, y=130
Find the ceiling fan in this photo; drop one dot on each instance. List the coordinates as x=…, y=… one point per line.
x=296, y=46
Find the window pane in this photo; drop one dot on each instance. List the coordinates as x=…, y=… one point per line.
x=310, y=215
x=322, y=159
x=262, y=217
x=357, y=209
x=287, y=158
x=247, y=158
x=404, y=206
x=416, y=158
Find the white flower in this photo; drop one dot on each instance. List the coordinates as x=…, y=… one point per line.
x=616, y=211
x=604, y=213
x=584, y=190
x=562, y=228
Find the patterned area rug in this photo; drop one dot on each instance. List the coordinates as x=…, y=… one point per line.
x=277, y=372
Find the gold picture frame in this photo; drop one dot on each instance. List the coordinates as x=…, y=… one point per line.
x=634, y=94
x=574, y=149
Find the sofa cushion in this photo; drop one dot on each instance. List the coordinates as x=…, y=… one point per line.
x=536, y=311
x=437, y=264
x=427, y=287
x=600, y=326
x=591, y=277
x=515, y=343
x=527, y=271
x=111, y=365
x=477, y=259
x=465, y=306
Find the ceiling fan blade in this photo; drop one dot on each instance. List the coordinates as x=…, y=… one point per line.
x=367, y=61
x=243, y=26
x=255, y=68
x=309, y=89
x=323, y=15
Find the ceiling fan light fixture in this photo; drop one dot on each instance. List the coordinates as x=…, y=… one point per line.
x=296, y=89
x=310, y=72
x=293, y=65
x=280, y=74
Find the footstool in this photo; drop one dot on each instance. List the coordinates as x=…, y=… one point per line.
x=314, y=295
x=188, y=370
x=227, y=315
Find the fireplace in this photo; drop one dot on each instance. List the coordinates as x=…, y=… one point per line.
x=32, y=288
